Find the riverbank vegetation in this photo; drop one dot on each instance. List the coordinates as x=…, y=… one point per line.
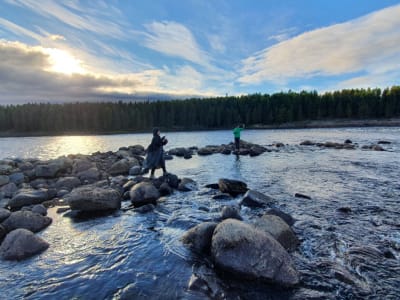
x=255, y=110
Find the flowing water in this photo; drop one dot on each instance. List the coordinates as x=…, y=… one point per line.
x=349, y=230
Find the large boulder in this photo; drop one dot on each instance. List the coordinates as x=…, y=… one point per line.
x=4, y=179
x=92, y=198
x=47, y=170
x=199, y=237
x=247, y=252
x=67, y=183
x=17, y=178
x=256, y=199
x=26, y=219
x=123, y=166
x=9, y=189
x=90, y=175
x=144, y=193
x=279, y=229
x=20, y=244
x=81, y=165
x=232, y=187
x=172, y=180
x=28, y=197
x=4, y=214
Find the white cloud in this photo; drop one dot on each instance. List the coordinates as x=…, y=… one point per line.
x=174, y=39
x=18, y=30
x=368, y=44
x=216, y=43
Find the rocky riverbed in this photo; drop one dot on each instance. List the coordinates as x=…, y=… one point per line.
x=262, y=248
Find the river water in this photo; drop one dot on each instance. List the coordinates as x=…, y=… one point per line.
x=349, y=230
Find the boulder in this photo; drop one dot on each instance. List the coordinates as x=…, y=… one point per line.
x=187, y=185
x=382, y=142
x=256, y=150
x=4, y=179
x=28, y=197
x=17, y=178
x=5, y=169
x=299, y=195
x=307, y=143
x=4, y=214
x=9, y=189
x=136, y=149
x=230, y=212
x=123, y=166
x=92, y=198
x=26, y=219
x=256, y=199
x=233, y=187
x=165, y=189
x=279, y=229
x=20, y=244
x=3, y=233
x=222, y=196
x=199, y=237
x=39, y=209
x=180, y=152
x=247, y=252
x=144, y=193
x=284, y=216
x=90, y=175
x=39, y=183
x=135, y=170
x=81, y=165
x=47, y=170
x=204, y=151
x=172, y=180
x=67, y=183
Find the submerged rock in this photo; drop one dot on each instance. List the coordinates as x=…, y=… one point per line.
x=199, y=237
x=232, y=187
x=253, y=198
x=299, y=195
x=91, y=198
x=28, y=220
x=20, y=244
x=247, y=252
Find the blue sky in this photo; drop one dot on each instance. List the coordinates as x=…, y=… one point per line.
x=94, y=50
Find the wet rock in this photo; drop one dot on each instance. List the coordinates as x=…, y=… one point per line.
x=377, y=148
x=9, y=189
x=172, y=180
x=279, y=229
x=256, y=151
x=136, y=149
x=205, y=280
x=344, y=209
x=123, y=166
x=187, y=156
x=145, y=208
x=165, y=189
x=180, y=152
x=307, y=143
x=204, y=151
x=284, y=216
x=3, y=233
x=213, y=186
x=226, y=151
x=47, y=171
x=233, y=187
x=20, y=244
x=81, y=165
x=67, y=183
x=62, y=193
x=230, y=212
x=26, y=219
x=128, y=185
x=299, y=195
x=348, y=141
x=17, y=178
x=135, y=170
x=199, y=237
x=168, y=157
x=4, y=214
x=253, y=198
x=279, y=145
x=4, y=179
x=5, y=169
x=91, y=198
x=144, y=193
x=382, y=142
x=221, y=196
x=39, y=209
x=91, y=175
x=28, y=197
x=39, y=183
x=4, y=201
x=62, y=209
x=247, y=252
x=187, y=185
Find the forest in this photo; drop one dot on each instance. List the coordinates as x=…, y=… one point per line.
x=201, y=113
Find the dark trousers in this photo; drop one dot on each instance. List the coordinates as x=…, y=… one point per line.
x=237, y=143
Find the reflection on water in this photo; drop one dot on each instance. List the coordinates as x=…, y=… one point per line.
x=127, y=255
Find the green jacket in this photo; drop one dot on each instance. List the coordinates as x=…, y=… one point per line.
x=236, y=132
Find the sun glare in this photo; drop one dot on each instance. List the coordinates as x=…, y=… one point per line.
x=63, y=62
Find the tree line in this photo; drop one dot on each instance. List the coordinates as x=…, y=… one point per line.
x=204, y=113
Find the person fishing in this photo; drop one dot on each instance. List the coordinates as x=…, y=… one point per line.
x=236, y=133
x=155, y=154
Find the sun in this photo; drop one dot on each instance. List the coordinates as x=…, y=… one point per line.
x=63, y=62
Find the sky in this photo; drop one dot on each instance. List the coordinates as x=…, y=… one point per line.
x=98, y=50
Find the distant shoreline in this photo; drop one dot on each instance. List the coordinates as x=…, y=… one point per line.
x=338, y=123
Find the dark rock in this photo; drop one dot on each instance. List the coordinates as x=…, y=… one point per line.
x=5, y=169
x=91, y=198
x=9, y=189
x=221, y=196
x=4, y=179
x=39, y=183
x=136, y=149
x=213, y=186
x=230, y=212
x=62, y=193
x=187, y=185
x=17, y=178
x=180, y=152
x=199, y=237
x=4, y=214
x=384, y=142
x=298, y=195
x=279, y=229
x=144, y=193
x=145, y=208
x=172, y=180
x=128, y=185
x=226, y=151
x=20, y=244
x=187, y=156
x=204, y=151
x=26, y=219
x=123, y=166
x=256, y=199
x=165, y=189
x=28, y=197
x=39, y=209
x=62, y=209
x=307, y=143
x=233, y=187
x=377, y=148
x=348, y=141
x=67, y=183
x=256, y=151
x=47, y=171
x=284, y=216
x=168, y=157
x=135, y=170
x=279, y=145
x=247, y=252
x=344, y=209
x=3, y=233
x=91, y=175
x=81, y=165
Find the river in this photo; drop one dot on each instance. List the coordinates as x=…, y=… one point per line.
x=349, y=229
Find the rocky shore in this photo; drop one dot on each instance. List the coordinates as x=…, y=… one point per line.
x=257, y=250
